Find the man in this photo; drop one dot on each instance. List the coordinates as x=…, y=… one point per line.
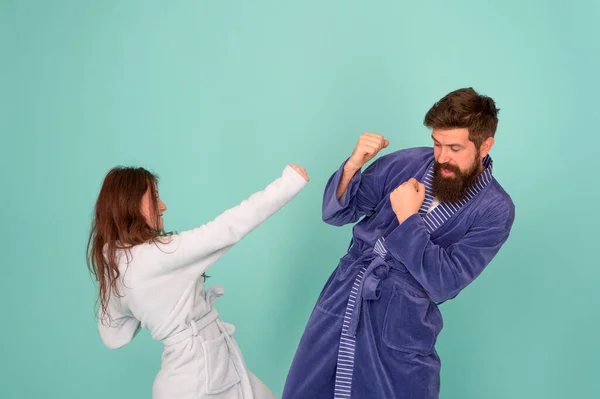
x=432, y=220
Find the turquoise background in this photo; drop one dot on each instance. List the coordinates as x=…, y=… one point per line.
x=217, y=97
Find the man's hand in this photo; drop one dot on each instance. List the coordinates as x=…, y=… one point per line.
x=407, y=199
x=369, y=144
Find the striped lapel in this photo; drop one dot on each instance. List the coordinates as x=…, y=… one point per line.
x=443, y=212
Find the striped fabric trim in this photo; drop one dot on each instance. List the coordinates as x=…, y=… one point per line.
x=345, y=361
x=379, y=248
x=444, y=211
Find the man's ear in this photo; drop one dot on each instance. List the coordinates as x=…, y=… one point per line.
x=486, y=146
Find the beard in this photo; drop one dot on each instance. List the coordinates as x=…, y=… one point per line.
x=454, y=189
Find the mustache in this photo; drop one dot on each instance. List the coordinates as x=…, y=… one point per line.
x=449, y=167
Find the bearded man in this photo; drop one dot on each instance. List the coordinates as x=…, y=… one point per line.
x=432, y=219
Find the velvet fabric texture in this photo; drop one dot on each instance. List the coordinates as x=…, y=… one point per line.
x=400, y=274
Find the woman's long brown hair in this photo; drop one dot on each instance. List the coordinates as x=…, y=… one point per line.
x=119, y=224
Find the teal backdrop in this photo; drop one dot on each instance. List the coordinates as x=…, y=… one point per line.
x=217, y=97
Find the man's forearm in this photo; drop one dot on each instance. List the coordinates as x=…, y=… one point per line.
x=347, y=176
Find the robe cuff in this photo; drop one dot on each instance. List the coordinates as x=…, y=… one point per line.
x=405, y=238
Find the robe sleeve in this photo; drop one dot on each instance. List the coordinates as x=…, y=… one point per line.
x=360, y=198
x=199, y=248
x=443, y=273
x=119, y=330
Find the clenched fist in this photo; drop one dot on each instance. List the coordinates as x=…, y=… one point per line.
x=407, y=199
x=300, y=170
x=369, y=144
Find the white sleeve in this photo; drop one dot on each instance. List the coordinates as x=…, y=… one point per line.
x=201, y=247
x=119, y=330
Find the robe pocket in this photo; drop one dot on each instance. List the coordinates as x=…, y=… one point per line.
x=221, y=373
x=411, y=323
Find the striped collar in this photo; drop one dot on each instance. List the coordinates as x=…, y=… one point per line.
x=444, y=211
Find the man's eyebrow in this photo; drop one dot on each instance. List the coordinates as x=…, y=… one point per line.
x=448, y=145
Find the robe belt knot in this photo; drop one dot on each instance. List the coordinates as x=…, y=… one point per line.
x=195, y=326
x=370, y=285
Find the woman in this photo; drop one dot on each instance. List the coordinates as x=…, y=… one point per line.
x=151, y=279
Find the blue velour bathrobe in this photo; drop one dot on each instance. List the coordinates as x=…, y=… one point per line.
x=373, y=331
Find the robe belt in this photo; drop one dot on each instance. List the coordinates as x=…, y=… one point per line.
x=195, y=326
x=370, y=285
